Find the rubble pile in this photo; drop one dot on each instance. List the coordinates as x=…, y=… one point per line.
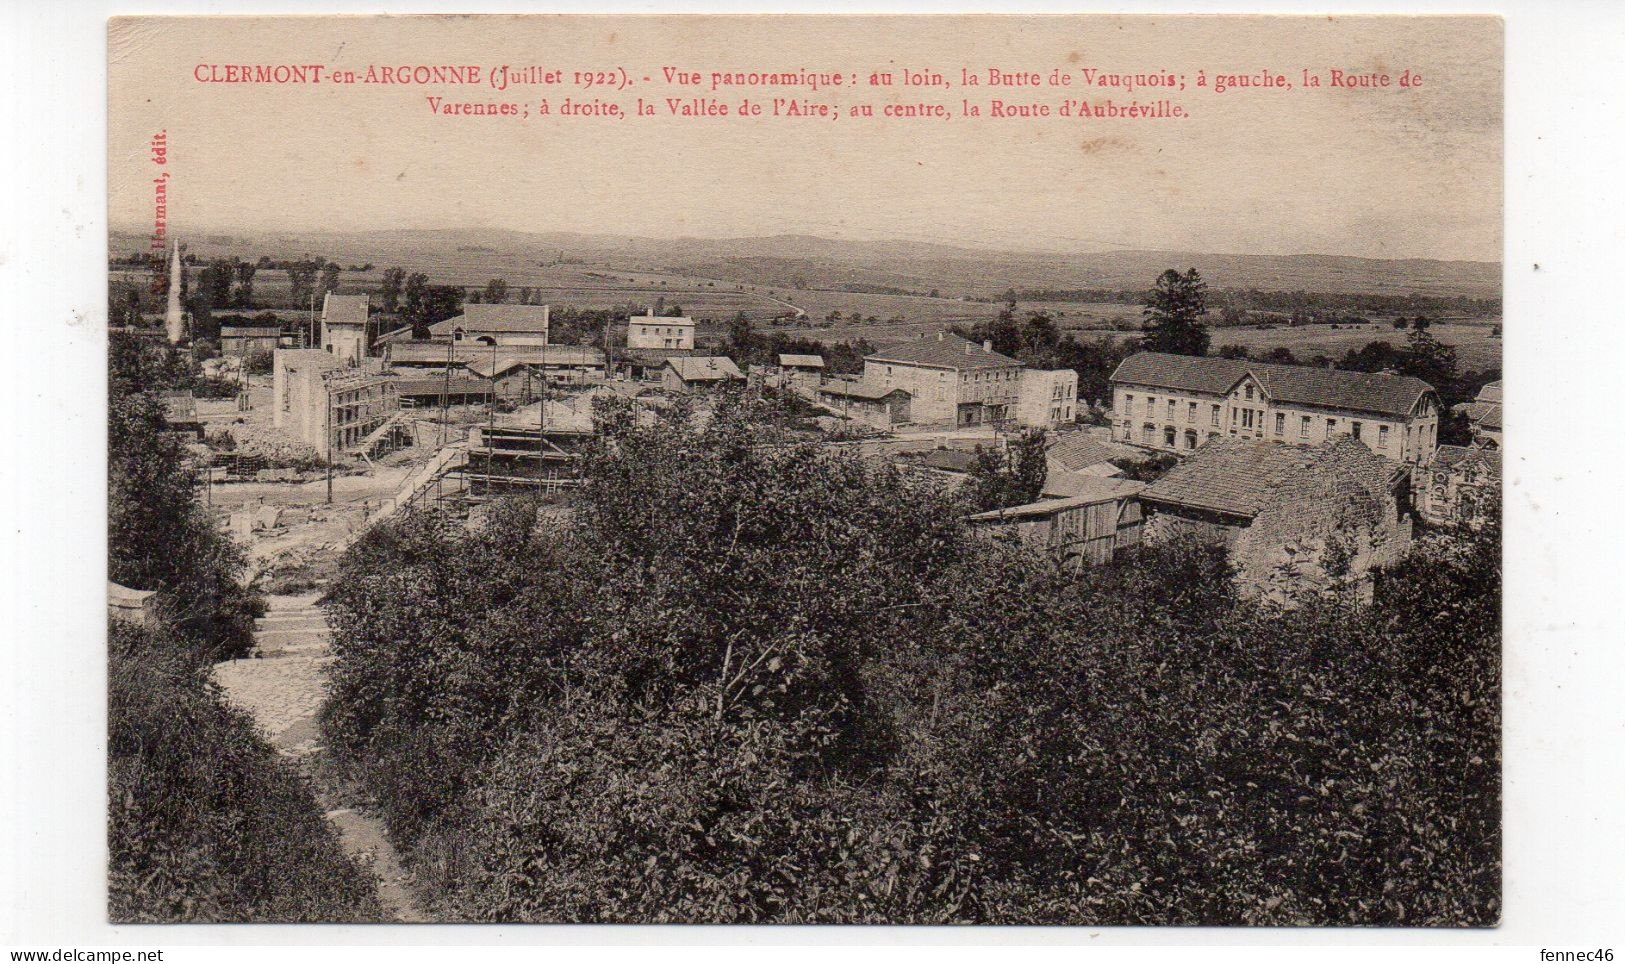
x=276, y=448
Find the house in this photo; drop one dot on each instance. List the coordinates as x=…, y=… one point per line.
x=1087, y=528
x=1457, y=484
x=1047, y=398
x=860, y=401
x=650, y=331
x=1484, y=415
x=803, y=364
x=244, y=340
x=646, y=364
x=1293, y=517
x=344, y=326
x=699, y=371
x=329, y=405
x=950, y=380
x=180, y=413
x=500, y=324
x=1177, y=402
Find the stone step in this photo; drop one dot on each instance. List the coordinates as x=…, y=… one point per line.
x=312, y=622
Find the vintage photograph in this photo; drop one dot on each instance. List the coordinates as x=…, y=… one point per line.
x=805, y=470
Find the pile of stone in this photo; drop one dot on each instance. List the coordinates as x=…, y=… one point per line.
x=274, y=447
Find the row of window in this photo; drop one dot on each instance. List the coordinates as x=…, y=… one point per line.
x=1250, y=419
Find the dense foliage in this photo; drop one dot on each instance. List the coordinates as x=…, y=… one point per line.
x=159, y=535
x=1173, y=314
x=205, y=822
x=753, y=682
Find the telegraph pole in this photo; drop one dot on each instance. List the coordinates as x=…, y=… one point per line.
x=329, y=386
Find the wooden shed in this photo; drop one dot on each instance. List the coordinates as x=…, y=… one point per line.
x=1084, y=529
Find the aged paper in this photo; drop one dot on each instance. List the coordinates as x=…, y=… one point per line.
x=788, y=469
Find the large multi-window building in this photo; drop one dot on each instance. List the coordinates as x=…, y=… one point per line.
x=1178, y=402
x=950, y=380
x=655, y=331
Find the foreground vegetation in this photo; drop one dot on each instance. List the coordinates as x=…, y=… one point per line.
x=205, y=822
x=776, y=684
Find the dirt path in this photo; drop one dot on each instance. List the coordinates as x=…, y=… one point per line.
x=283, y=690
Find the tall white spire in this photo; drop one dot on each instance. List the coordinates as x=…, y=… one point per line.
x=174, y=324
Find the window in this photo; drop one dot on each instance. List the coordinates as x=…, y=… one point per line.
x=1215, y=416
x=1190, y=438
x=1331, y=426
x=1128, y=404
x=1170, y=410
x=1356, y=429
x=1246, y=418
x=1168, y=436
x=1151, y=406
x=1148, y=432
x=1280, y=423
x=1249, y=392
x=1303, y=428
x=1190, y=416
x=1382, y=436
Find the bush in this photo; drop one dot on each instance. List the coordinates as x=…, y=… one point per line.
x=775, y=683
x=206, y=822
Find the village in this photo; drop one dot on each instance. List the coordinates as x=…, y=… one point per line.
x=1301, y=472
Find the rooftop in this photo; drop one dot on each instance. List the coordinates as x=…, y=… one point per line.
x=944, y=350
x=1076, y=451
x=344, y=309
x=502, y=318
x=1447, y=457
x=848, y=388
x=801, y=361
x=705, y=368
x=1238, y=476
x=1329, y=388
x=250, y=331
x=1099, y=490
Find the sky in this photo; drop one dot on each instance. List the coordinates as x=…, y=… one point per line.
x=1382, y=173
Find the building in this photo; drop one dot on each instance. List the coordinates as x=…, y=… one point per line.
x=502, y=324
x=1076, y=459
x=647, y=364
x=329, y=405
x=1293, y=517
x=1090, y=527
x=876, y=407
x=560, y=363
x=1178, y=402
x=245, y=340
x=1484, y=415
x=699, y=371
x=344, y=327
x=1459, y=484
x=180, y=413
x=1047, y=398
x=651, y=331
x=950, y=380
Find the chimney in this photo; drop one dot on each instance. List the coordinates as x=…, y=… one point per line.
x=987, y=345
x=939, y=336
x=968, y=347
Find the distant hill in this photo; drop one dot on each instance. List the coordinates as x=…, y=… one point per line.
x=786, y=261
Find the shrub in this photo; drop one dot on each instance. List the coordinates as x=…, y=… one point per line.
x=206, y=822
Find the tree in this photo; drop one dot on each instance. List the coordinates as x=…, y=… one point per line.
x=1234, y=351
x=244, y=298
x=496, y=291
x=1015, y=476
x=330, y=279
x=159, y=536
x=389, y=289
x=1173, y=314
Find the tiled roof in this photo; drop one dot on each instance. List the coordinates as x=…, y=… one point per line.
x=654, y=356
x=1096, y=491
x=249, y=331
x=435, y=384
x=1236, y=476
x=344, y=309
x=1076, y=451
x=1481, y=414
x=1491, y=392
x=943, y=350
x=705, y=368
x=862, y=390
x=801, y=361
x=1447, y=457
x=1064, y=484
x=496, y=318
x=1288, y=384
x=435, y=353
